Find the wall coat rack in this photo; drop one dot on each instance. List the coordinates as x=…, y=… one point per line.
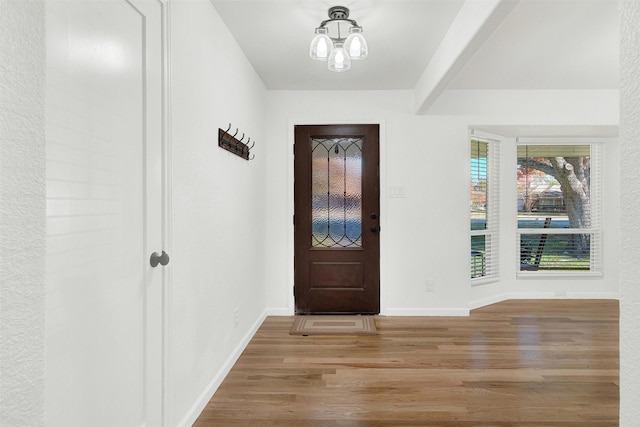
x=234, y=145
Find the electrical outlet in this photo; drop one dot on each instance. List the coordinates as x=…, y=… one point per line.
x=561, y=294
x=236, y=317
x=430, y=285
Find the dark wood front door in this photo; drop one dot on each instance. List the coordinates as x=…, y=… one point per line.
x=337, y=219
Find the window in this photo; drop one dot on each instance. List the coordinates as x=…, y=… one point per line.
x=484, y=204
x=559, y=208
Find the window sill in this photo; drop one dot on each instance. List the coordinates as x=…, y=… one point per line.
x=477, y=281
x=557, y=275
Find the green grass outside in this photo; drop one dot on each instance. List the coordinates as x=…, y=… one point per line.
x=556, y=254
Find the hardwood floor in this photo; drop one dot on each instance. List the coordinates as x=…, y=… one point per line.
x=515, y=363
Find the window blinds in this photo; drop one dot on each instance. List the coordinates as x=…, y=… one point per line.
x=484, y=208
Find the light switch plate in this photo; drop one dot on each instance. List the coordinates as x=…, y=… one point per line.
x=397, y=192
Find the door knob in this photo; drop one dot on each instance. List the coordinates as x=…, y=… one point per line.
x=159, y=259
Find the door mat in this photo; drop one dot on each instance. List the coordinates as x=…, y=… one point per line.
x=333, y=325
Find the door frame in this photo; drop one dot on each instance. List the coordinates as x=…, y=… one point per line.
x=290, y=203
x=162, y=313
x=166, y=398
x=162, y=415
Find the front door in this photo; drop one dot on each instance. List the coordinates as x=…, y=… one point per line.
x=337, y=219
x=104, y=213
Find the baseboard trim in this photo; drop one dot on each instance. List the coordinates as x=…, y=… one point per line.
x=542, y=295
x=419, y=311
x=201, y=402
x=280, y=311
x=493, y=299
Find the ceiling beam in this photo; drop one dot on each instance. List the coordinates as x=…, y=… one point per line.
x=472, y=26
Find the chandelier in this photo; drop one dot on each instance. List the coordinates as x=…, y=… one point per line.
x=329, y=44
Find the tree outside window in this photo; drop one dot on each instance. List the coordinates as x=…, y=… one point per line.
x=554, y=194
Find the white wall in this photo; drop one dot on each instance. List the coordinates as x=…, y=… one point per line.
x=630, y=206
x=218, y=206
x=425, y=235
x=22, y=213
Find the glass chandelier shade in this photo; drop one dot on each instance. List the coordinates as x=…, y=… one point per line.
x=334, y=48
x=321, y=45
x=356, y=45
x=339, y=59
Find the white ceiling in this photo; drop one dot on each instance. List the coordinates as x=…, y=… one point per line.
x=541, y=44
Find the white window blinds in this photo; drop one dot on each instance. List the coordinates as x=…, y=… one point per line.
x=484, y=209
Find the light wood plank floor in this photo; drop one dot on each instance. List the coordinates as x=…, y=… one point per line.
x=515, y=363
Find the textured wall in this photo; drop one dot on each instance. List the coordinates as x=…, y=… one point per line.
x=22, y=212
x=630, y=209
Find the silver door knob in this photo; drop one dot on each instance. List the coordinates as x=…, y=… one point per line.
x=159, y=259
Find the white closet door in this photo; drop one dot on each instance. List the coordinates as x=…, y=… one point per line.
x=104, y=208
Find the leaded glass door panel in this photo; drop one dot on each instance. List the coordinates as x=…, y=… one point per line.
x=337, y=248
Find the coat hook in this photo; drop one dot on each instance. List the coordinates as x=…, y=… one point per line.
x=245, y=147
x=222, y=141
x=224, y=133
x=237, y=146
